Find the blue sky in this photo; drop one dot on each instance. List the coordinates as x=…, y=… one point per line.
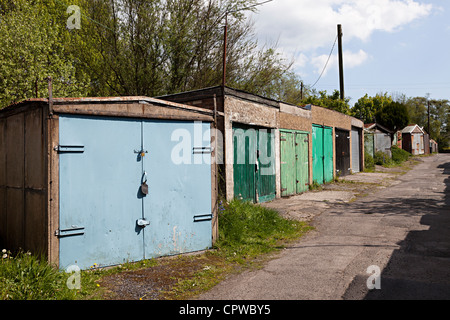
x=393, y=46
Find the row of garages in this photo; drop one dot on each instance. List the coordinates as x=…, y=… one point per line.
x=286, y=148
x=412, y=139
x=110, y=180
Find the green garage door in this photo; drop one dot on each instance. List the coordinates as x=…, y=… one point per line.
x=322, y=153
x=294, y=162
x=328, y=154
x=254, y=163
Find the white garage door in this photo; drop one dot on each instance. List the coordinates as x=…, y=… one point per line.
x=356, y=151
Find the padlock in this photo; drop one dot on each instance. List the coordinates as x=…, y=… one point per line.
x=144, y=188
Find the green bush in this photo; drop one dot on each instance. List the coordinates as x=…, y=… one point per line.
x=381, y=158
x=399, y=155
x=369, y=163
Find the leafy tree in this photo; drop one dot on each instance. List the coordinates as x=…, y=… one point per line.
x=264, y=73
x=32, y=49
x=366, y=107
x=331, y=101
x=439, y=117
x=393, y=116
x=127, y=47
x=417, y=110
x=159, y=47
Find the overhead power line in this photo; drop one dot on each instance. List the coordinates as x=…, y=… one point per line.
x=329, y=56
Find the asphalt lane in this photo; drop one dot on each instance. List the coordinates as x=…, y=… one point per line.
x=391, y=244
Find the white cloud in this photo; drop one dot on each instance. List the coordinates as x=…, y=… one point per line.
x=320, y=61
x=354, y=59
x=302, y=25
x=351, y=60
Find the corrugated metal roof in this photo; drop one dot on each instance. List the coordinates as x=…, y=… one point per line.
x=411, y=128
x=374, y=126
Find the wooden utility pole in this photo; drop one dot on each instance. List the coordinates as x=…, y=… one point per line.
x=341, y=63
x=301, y=90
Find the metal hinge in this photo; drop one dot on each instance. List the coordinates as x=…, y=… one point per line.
x=74, y=231
x=203, y=217
x=197, y=150
x=69, y=148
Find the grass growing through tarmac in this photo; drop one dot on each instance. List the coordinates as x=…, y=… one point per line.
x=247, y=234
x=247, y=230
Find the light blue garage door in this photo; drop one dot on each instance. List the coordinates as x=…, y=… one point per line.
x=106, y=215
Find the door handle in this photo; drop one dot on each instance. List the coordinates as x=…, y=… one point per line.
x=142, y=222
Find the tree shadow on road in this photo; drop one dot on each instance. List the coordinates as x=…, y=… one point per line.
x=420, y=267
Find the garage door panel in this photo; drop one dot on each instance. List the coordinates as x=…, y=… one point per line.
x=328, y=154
x=178, y=205
x=98, y=192
x=302, y=162
x=356, y=150
x=318, y=154
x=266, y=165
x=103, y=163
